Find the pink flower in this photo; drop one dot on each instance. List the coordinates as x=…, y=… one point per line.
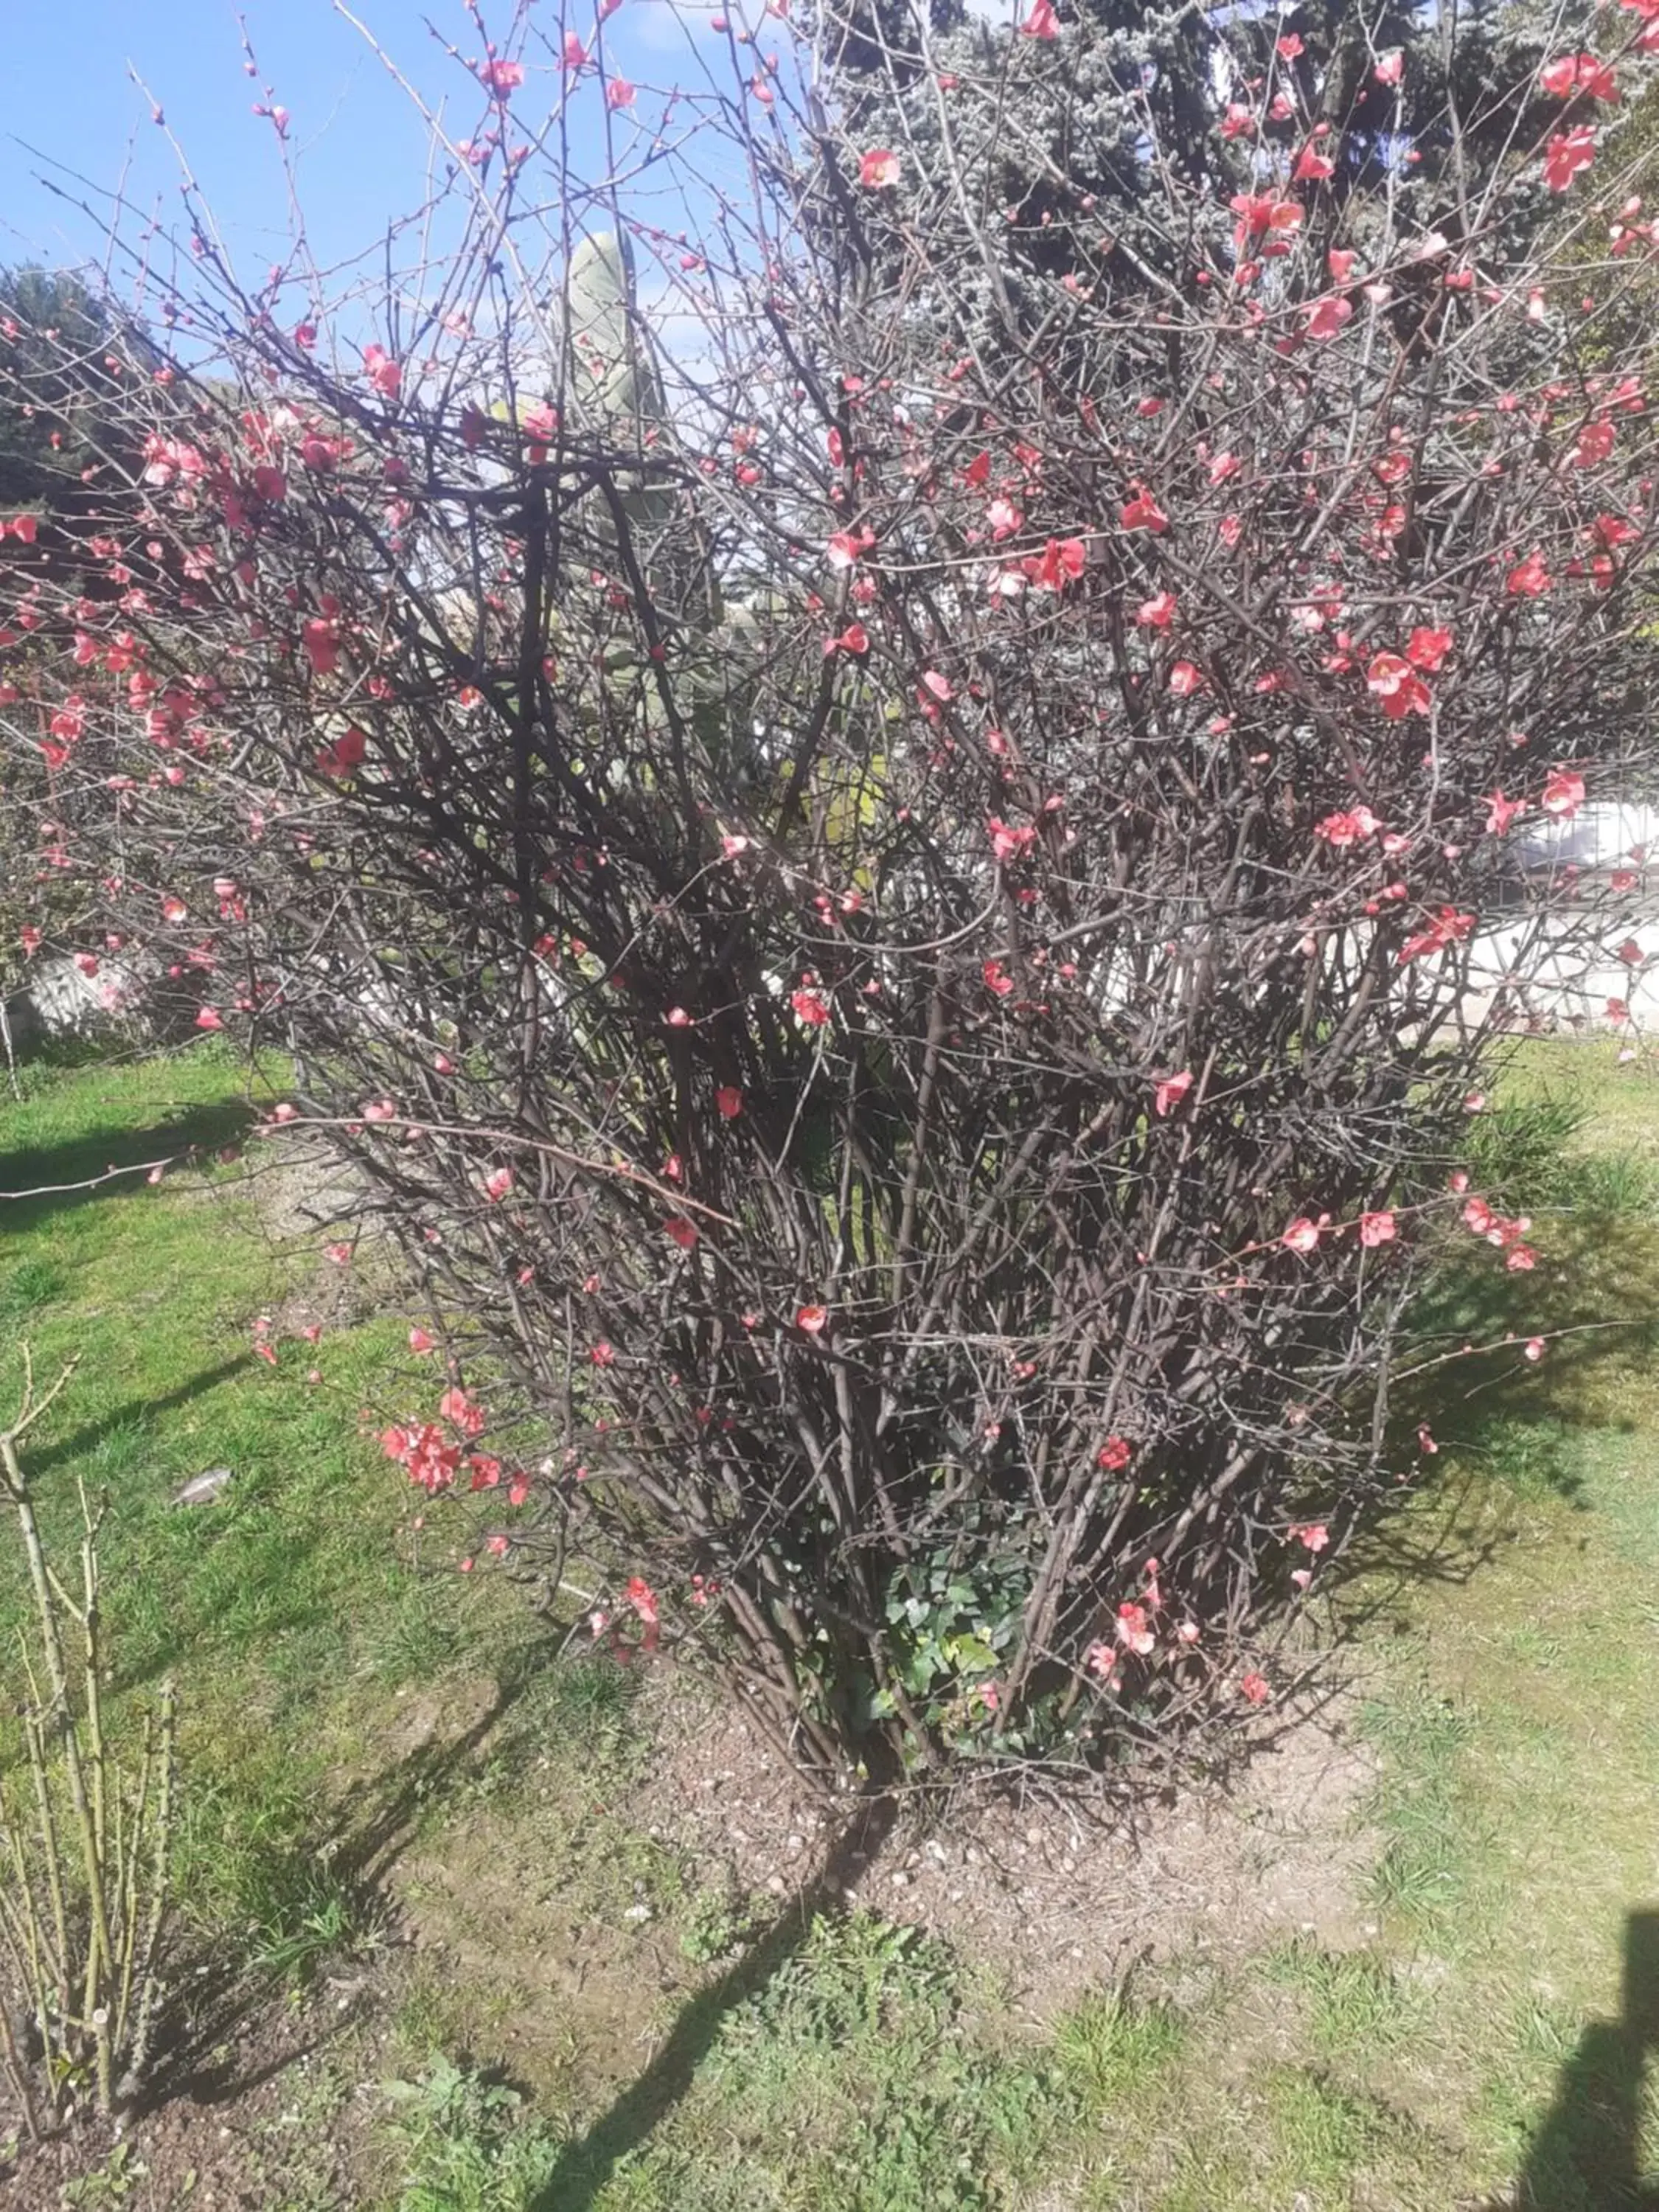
x=1314, y=1533
x=1170, y=1089
x=1143, y=513
x=1301, y=1235
x=1008, y=843
x=1185, y=679
x=684, y=1232
x=812, y=1319
x=208, y=1018
x=1326, y=318
x=728, y=1101
x=1521, y=1259
x=420, y=1340
x=1113, y=1454
x=1376, y=1229
x=339, y=1254
x=1133, y=1631
x=604, y=1355
x=1567, y=153
x=1254, y=1688
x=1585, y=73
x=619, y=94
x=461, y=1412
x=809, y=1007
x=379, y=1109
x=1501, y=812
x=937, y=686
x=497, y=1183
x=1158, y=612
x=344, y=755
x=1528, y=578
x=382, y=372
x=879, y=168
x=1391, y=679
x=1563, y=795
x=1390, y=65
x=1534, y=1349
x=1041, y=22
x=1427, y=648
x=997, y=978
x=501, y=78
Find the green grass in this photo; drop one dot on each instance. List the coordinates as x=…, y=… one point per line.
x=290, y=1606
x=1496, y=2021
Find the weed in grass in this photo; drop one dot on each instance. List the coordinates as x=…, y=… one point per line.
x=717, y=1923
x=1419, y=1802
x=1320, y=2135
x=1356, y=2005
x=1111, y=2050
x=463, y=2144
x=29, y=1286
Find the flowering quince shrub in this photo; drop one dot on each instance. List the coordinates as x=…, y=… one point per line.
x=885, y=902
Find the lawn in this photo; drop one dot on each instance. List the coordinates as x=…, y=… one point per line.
x=396, y=1812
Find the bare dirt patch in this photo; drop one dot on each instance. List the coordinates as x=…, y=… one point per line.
x=279, y=2111
x=1061, y=1890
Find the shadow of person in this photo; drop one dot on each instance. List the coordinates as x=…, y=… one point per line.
x=585, y=2166
x=1586, y=2155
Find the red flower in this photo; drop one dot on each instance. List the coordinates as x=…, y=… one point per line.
x=1170, y=1089
x=1528, y=578
x=1563, y=795
x=1585, y=73
x=1113, y=1454
x=809, y=1007
x=1427, y=648
x=1008, y=843
x=1143, y=513
x=1391, y=679
x=1567, y=153
x=684, y=1232
x=1326, y=318
x=344, y=755
x=382, y=372
x=879, y=168
x=729, y=1101
x=997, y=978
x=812, y=1319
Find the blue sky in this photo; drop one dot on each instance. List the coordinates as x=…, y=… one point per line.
x=360, y=149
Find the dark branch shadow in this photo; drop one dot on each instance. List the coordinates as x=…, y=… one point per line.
x=49, y=1178
x=586, y=2165
x=1586, y=2156
x=78, y=1442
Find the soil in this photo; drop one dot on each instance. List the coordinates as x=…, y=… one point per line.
x=272, y=2113
x=1061, y=1893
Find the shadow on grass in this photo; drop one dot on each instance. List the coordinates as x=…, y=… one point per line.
x=1586, y=2155
x=106, y=1162
x=1497, y=1419
x=135, y=1412
x=584, y=2167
